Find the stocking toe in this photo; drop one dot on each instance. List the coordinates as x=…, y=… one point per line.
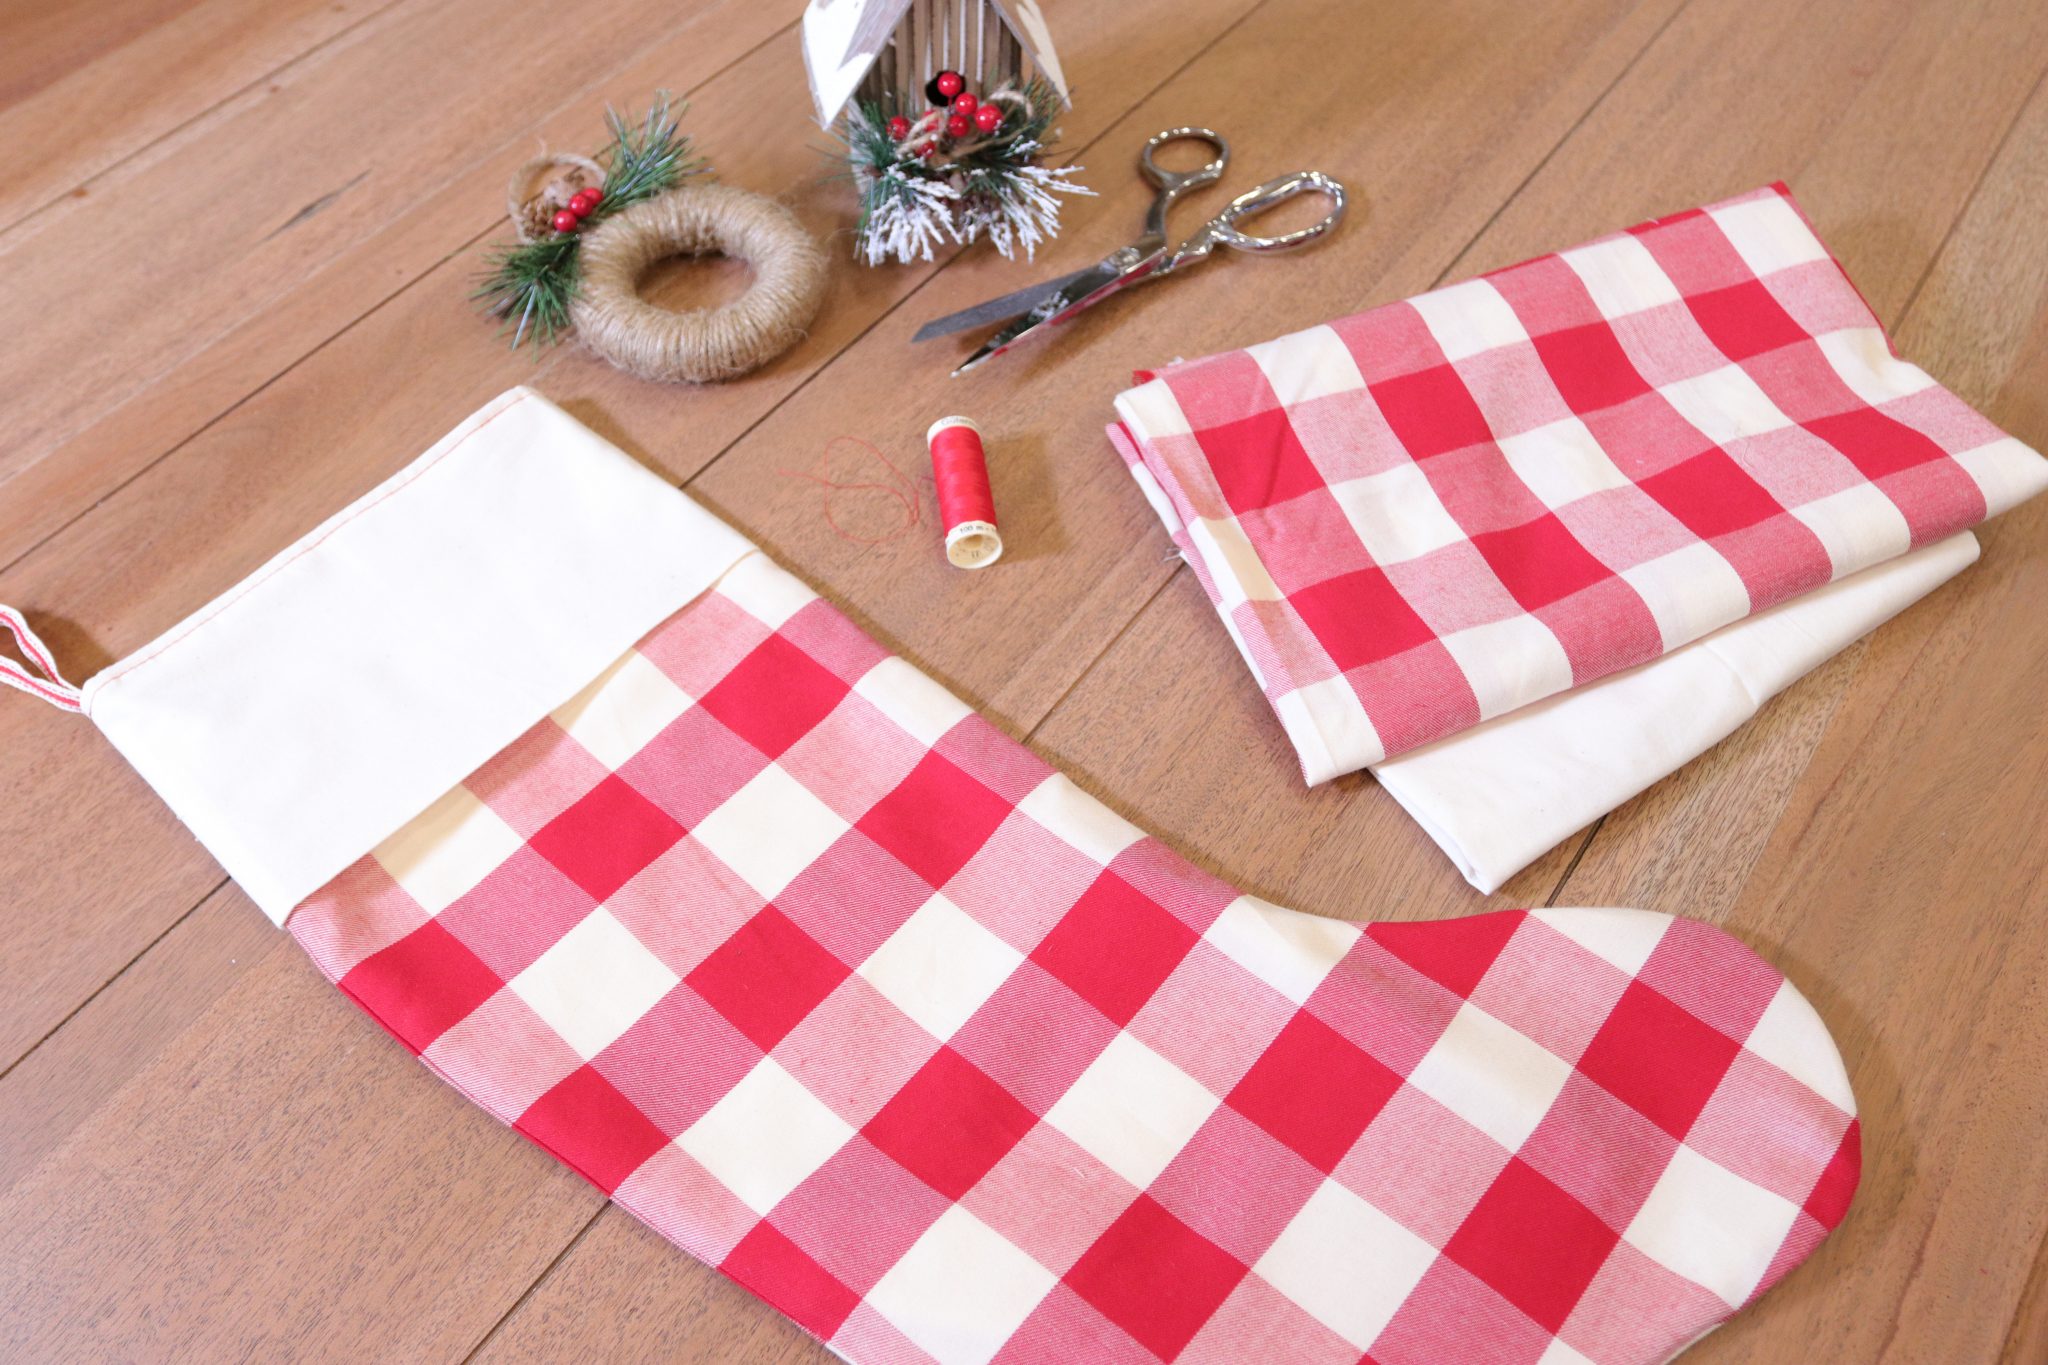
x=1717, y=1135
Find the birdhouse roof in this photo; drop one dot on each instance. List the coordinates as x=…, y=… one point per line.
x=842, y=38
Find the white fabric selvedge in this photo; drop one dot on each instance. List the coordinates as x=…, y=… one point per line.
x=316, y=707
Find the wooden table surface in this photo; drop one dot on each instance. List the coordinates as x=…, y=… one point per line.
x=236, y=239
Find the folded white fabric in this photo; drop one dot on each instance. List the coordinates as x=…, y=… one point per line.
x=1497, y=797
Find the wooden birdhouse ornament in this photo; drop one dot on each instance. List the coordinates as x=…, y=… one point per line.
x=885, y=52
x=946, y=110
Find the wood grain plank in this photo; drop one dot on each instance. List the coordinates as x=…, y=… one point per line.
x=212, y=1207
x=277, y=465
x=2027, y=1339
x=55, y=483
x=1846, y=101
x=80, y=905
x=84, y=86
x=214, y=224
x=48, y=42
x=122, y=1029
x=97, y=886
x=664, y=1305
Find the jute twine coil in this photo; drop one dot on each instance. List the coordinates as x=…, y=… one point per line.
x=704, y=344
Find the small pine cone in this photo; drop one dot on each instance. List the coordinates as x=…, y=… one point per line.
x=543, y=187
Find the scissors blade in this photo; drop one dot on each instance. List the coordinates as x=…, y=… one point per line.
x=995, y=310
x=1090, y=286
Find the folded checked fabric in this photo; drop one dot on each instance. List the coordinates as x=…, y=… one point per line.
x=1442, y=510
x=1498, y=796
x=841, y=990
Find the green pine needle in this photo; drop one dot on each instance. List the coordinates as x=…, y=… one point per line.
x=530, y=285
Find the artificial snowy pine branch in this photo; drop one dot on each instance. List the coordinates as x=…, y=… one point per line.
x=1023, y=212
x=914, y=200
x=909, y=218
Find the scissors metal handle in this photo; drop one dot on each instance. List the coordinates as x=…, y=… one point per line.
x=1254, y=202
x=1173, y=184
x=1223, y=229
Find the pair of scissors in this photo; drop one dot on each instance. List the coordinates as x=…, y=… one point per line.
x=1046, y=305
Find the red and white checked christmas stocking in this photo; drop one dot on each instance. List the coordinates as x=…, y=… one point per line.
x=846, y=993
x=838, y=988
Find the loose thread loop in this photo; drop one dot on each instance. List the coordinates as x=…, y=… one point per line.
x=52, y=687
x=901, y=488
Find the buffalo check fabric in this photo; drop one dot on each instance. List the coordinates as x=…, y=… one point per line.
x=844, y=992
x=1441, y=510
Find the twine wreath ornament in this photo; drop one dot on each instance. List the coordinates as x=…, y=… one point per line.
x=698, y=345
x=589, y=228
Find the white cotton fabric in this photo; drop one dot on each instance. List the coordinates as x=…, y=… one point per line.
x=312, y=710
x=1498, y=796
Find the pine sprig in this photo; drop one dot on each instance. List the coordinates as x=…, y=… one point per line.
x=642, y=162
x=530, y=285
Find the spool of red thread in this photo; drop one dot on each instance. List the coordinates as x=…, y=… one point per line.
x=967, y=508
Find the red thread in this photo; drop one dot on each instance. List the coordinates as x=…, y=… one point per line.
x=900, y=488
x=960, y=469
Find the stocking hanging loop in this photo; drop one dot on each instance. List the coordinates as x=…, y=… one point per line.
x=51, y=686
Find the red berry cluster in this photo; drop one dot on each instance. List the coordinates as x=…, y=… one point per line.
x=581, y=205
x=957, y=115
